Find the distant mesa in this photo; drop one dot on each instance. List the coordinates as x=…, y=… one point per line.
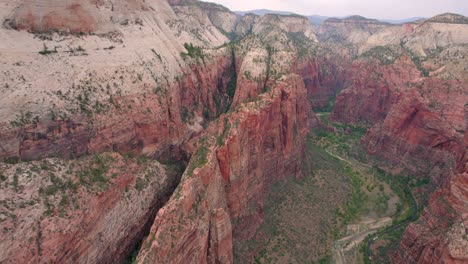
x=449, y=18
x=318, y=19
x=354, y=19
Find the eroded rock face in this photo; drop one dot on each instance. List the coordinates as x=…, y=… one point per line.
x=224, y=198
x=164, y=122
x=440, y=233
x=90, y=210
x=153, y=85
x=258, y=142
x=71, y=16
x=439, y=236
x=372, y=92
x=132, y=95
x=418, y=117
x=323, y=78
x=416, y=138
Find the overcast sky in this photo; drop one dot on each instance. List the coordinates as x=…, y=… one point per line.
x=384, y=9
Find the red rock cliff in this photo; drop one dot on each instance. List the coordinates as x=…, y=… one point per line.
x=223, y=199
x=149, y=123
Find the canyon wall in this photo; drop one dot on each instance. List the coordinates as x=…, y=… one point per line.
x=417, y=123
x=223, y=198
x=440, y=233
x=158, y=79
x=92, y=210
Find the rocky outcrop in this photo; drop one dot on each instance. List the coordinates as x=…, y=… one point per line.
x=143, y=105
x=440, y=233
x=160, y=81
x=371, y=92
x=71, y=16
x=417, y=113
x=135, y=94
x=323, y=78
x=354, y=30
x=417, y=139
x=223, y=194
x=172, y=114
x=439, y=236
x=93, y=210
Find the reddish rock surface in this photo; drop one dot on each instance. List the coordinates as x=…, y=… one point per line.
x=372, y=92
x=50, y=216
x=72, y=16
x=323, y=79
x=439, y=236
x=224, y=198
x=416, y=125
x=150, y=125
x=414, y=137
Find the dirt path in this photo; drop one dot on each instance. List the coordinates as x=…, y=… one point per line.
x=350, y=242
x=351, y=162
x=358, y=232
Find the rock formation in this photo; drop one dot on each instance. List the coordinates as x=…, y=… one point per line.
x=418, y=113
x=104, y=102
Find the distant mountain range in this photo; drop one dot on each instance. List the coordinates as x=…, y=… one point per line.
x=317, y=19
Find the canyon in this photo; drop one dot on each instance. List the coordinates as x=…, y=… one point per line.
x=156, y=131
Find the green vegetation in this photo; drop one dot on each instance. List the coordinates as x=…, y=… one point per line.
x=390, y=240
x=24, y=119
x=199, y=159
x=46, y=51
x=302, y=43
x=193, y=52
x=357, y=204
x=384, y=54
x=328, y=108
x=57, y=185
x=2, y=177
x=248, y=75
x=292, y=226
x=325, y=260
x=12, y=160
x=346, y=134
x=232, y=84
x=227, y=126
x=95, y=173
x=270, y=52
x=77, y=50
x=416, y=60
x=370, y=194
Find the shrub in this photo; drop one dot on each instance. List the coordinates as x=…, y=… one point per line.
x=193, y=52
x=45, y=50
x=199, y=159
